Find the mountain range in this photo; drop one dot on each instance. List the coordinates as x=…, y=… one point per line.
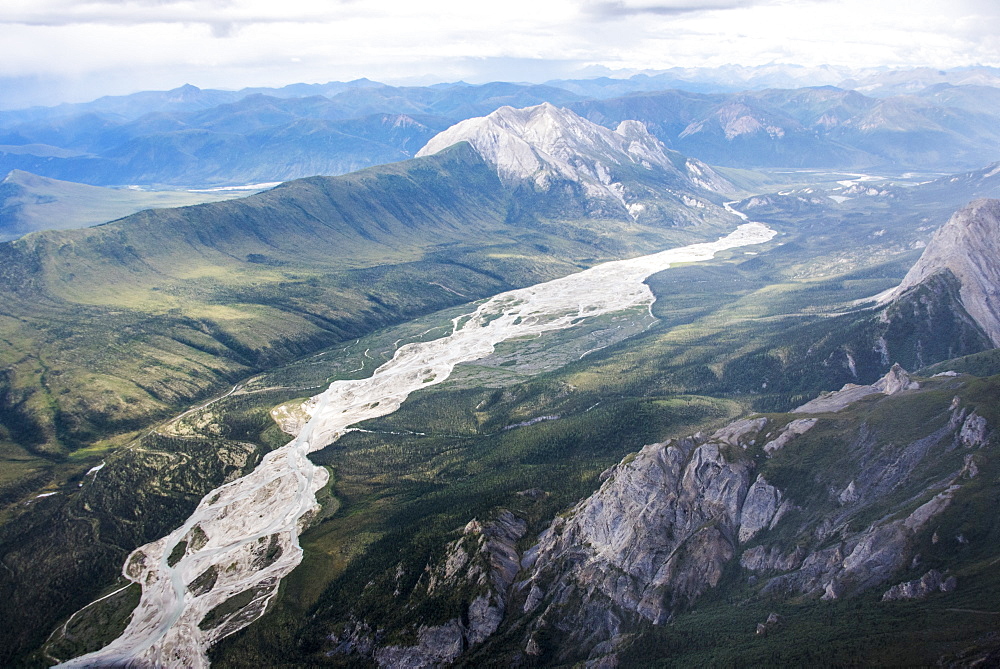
x=739, y=471
x=189, y=137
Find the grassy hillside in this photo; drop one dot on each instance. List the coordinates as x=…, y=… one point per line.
x=106, y=329
x=107, y=326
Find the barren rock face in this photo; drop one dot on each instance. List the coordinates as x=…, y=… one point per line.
x=930, y=582
x=969, y=246
x=656, y=536
x=761, y=504
x=895, y=381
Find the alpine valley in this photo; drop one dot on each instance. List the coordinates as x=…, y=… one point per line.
x=593, y=373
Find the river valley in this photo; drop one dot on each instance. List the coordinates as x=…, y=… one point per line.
x=217, y=572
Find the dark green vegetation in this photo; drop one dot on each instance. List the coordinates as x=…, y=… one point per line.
x=857, y=632
x=97, y=625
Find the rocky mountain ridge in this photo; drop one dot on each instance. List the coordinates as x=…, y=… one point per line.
x=967, y=246
x=546, y=146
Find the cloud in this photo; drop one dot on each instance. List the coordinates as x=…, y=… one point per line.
x=627, y=8
x=144, y=44
x=223, y=16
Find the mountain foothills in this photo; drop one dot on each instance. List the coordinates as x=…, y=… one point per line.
x=787, y=458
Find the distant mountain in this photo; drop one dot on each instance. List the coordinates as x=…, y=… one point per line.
x=809, y=127
x=910, y=81
x=971, y=98
x=624, y=173
x=724, y=79
x=966, y=186
x=879, y=82
x=189, y=137
x=186, y=98
x=29, y=203
x=257, y=139
x=246, y=138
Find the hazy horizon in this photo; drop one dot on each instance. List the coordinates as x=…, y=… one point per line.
x=833, y=76
x=54, y=51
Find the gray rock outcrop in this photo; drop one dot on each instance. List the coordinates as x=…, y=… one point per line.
x=849, y=494
x=741, y=432
x=973, y=433
x=759, y=508
x=895, y=381
x=437, y=645
x=793, y=429
x=932, y=581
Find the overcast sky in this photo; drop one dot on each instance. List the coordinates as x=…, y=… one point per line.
x=59, y=50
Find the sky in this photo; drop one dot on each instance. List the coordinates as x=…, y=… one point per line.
x=75, y=50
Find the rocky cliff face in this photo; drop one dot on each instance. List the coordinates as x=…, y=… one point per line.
x=731, y=509
x=656, y=535
x=967, y=246
x=547, y=148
